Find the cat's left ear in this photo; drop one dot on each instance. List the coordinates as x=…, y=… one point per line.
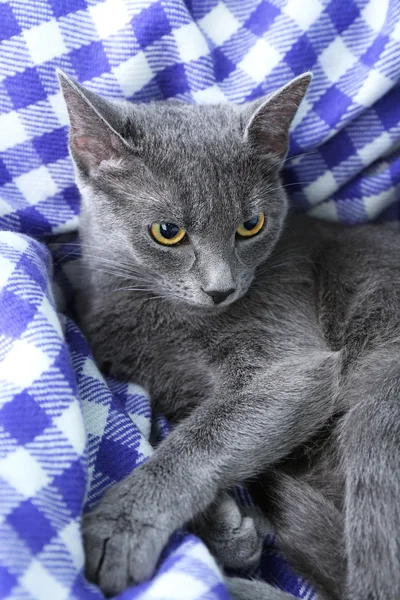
x=269, y=120
x=95, y=125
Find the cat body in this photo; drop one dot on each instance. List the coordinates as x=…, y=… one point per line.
x=275, y=357
x=337, y=279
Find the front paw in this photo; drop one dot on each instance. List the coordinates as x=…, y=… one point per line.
x=122, y=540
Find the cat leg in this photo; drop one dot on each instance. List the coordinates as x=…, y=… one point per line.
x=245, y=589
x=308, y=529
x=233, y=535
x=370, y=445
x=225, y=440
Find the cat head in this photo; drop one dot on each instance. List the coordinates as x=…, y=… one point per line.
x=189, y=195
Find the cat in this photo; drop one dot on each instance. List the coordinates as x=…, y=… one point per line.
x=271, y=341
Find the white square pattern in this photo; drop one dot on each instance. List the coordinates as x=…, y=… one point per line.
x=133, y=74
x=51, y=315
x=396, y=31
x=72, y=538
x=375, y=203
x=12, y=131
x=370, y=152
x=109, y=17
x=70, y=423
x=36, y=185
x=325, y=210
x=7, y=266
x=211, y=95
x=375, y=13
x=336, y=60
x=373, y=88
x=176, y=586
x=34, y=362
x=304, y=108
x=59, y=107
x=44, y=42
x=260, y=60
x=6, y=270
x=41, y=585
x=304, y=13
x=219, y=24
x=23, y=472
x=321, y=188
x=191, y=42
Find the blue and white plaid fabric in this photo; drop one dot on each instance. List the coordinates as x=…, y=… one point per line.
x=66, y=432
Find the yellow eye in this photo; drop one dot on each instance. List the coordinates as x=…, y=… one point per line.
x=252, y=226
x=167, y=234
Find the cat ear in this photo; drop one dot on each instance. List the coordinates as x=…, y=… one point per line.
x=270, y=119
x=94, y=124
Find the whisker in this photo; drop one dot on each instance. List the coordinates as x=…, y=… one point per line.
x=286, y=185
x=296, y=183
x=133, y=289
x=289, y=158
x=80, y=246
x=113, y=272
x=113, y=267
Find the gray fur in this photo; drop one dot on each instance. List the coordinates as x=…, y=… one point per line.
x=241, y=589
x=293, y=381
x=234, y=535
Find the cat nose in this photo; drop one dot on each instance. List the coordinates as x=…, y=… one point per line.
x=219, y=296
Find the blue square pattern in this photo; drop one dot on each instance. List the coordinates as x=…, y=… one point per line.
x=151, y=24
x=52, y=146
x=7, y=581
x=9, y=24
x=31, y=18
x=338, y=149
x=70, y=485
x=301, y=56
x=35, y=538
x=262, y=17
x=223, y=66
x=5, y=175
x=343, y=15
x=374, y=51
x=23, y=418
x=32, y=219
x=17, y=313
x=172, y=81
x=21, y=159
x=61, y=8
x=25, y=88
x=89, y=61
x=151, y=49
x=384, y=109
x=332, y=106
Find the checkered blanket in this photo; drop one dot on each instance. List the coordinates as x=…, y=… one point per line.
x=67, y=432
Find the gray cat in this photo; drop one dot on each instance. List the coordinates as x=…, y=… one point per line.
x=271, y=342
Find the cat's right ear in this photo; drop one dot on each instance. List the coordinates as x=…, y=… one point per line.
x=94, y=135
x=269, y=120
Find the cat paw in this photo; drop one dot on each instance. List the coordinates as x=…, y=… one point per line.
x=122, y=541
x=232, y=537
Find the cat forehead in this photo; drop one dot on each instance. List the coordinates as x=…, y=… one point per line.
x=172, y=115
x=202, y=167
x=173, y=127
x=185, y=143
